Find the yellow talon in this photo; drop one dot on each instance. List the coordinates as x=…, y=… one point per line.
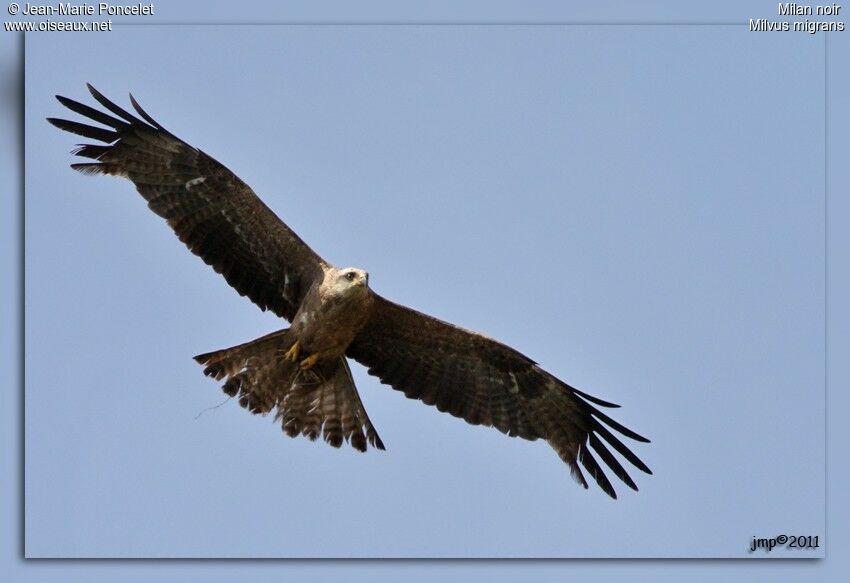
x=309, y=362
x=292, y=353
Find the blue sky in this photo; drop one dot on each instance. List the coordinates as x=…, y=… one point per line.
x=665, y=245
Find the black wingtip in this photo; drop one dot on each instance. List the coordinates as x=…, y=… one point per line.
x=92, y=113
x=595, y=470
x=640, y=438
x=119, y=111
x=596, y=444
x=594, y=400
x=618, y=445
x=87, y=131
x=146, y=116
x=576, y=474
x=618, y=426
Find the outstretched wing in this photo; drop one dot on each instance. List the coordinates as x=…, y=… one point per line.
x=487, y=383
x=210, y=209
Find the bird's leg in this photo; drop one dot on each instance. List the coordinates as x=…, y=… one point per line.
x=310, y=361
x=293, y=352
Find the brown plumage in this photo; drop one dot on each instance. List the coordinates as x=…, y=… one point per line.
x=301, y=371
x=322, y=401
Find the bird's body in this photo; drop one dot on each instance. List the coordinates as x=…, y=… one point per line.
x=332, y=313
x=302, y=371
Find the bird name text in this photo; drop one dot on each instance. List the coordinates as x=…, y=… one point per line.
x=811, y=26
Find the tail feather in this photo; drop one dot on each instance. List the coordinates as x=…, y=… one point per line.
x=322, y=401
x=229, y=361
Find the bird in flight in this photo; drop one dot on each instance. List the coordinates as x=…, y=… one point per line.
x=301, y=372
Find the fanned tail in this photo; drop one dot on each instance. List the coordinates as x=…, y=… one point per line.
x=256, y=371
x=327, y=404
x=322, y=401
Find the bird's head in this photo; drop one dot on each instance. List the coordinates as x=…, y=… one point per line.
x=350, y=280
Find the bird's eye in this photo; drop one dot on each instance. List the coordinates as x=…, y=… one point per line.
x=350, y=276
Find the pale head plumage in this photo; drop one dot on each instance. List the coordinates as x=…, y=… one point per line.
x=347, y=282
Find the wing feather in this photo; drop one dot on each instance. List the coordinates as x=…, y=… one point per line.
x=485, y=382
x=210, y=209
